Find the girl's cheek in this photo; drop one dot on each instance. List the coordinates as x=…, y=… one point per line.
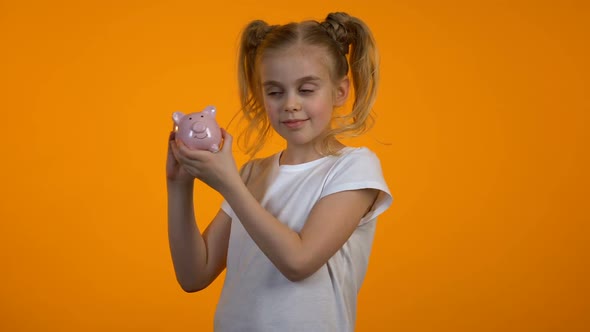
x=270, y=113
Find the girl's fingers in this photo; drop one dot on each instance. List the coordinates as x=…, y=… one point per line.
x=227, y=139
x=225, y=134
x=174, y=149
x=192, y=154
x=184, y=150
x=186, y=156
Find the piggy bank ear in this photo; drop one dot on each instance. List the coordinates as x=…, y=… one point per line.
x=210, y=110
x=177, y=116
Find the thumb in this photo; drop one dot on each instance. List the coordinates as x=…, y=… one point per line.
x=227, y=139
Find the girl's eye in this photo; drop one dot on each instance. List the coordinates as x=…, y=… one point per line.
x=273, y=93
x=307, y=88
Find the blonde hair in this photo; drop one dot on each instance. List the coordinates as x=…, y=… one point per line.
x=349, y=44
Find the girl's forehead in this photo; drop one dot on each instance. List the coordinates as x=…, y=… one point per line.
x=295, y=60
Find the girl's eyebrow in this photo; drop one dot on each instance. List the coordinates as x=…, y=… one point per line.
x=305, y=79
x=271, y=83
x=309, y=78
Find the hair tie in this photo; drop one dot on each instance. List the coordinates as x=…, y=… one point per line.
x=258, y=33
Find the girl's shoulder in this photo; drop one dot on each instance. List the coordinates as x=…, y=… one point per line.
x=254, y=167
x=357, y=155
x=357, y=151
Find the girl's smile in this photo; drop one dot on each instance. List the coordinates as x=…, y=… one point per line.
x=294, y=123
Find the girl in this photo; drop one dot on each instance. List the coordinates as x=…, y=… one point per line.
x=295, y=229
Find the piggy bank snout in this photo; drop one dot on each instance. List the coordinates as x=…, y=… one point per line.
x=199, y=127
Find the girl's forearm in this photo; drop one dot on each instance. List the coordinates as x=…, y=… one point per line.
x=277, y=241
x=186, y=243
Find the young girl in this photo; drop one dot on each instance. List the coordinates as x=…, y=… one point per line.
x=295, y=230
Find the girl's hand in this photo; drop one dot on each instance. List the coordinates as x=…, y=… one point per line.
x=174, y=170
x=218, y=170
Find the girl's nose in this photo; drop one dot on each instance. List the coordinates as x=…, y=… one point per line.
x=292, y=103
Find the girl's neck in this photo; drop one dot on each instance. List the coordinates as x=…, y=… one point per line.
x=294, y=155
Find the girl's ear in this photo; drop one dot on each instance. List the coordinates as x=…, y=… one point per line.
x=342, y=92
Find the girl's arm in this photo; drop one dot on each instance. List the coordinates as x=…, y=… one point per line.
x=197, y=259
x=298, y=255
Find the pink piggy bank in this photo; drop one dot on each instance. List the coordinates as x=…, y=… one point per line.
x=198, y=130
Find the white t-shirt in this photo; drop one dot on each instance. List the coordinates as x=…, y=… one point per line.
x=256, y=297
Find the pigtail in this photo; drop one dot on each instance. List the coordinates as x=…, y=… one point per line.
x=355, y=41
x=257, y=126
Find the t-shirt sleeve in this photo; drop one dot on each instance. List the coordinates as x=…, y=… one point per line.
x=360, y=169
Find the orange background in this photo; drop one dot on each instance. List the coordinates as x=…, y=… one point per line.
x=482, y=128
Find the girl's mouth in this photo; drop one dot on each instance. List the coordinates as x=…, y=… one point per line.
x=293, y=124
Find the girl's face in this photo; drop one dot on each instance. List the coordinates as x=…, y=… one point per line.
x=298, y=93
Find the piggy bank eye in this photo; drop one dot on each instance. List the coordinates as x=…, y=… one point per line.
x=190, y=118
x=202, y=116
